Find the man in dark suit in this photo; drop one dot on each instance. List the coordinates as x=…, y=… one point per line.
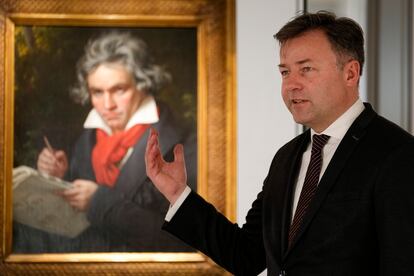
x=338, y=199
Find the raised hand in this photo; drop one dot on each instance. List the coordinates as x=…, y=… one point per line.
x=170, y=178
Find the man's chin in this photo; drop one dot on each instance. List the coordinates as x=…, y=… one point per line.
x=299, y=120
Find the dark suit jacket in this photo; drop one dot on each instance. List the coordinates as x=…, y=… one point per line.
x=360, y=221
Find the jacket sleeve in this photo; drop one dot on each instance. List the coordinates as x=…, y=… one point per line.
x=239, y=250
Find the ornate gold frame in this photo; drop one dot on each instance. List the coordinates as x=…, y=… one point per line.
x=214, y=20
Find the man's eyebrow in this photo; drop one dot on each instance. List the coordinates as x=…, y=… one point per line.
x=282, y=65
x=90, y=87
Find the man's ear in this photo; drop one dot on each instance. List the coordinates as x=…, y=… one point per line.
x=351, y=72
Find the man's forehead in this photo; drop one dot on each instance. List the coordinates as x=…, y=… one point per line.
x=306, y=48
x=297, y=54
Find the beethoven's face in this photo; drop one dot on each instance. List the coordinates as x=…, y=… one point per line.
x=114, y=94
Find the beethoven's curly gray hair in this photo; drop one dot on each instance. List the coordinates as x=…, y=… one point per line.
x=124, y=49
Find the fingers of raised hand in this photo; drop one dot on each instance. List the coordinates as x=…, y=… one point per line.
x=179, y=153
x=153, y=156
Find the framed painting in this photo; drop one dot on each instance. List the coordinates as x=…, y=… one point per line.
x=68, y=67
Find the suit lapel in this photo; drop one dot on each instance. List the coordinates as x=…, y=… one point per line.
x=336, y=165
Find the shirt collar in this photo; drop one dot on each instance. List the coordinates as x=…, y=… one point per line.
x=147, y=113
x=341, y=125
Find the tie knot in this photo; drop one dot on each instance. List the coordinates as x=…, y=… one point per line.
x=319, y=141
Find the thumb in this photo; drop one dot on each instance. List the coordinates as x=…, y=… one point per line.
x=179, y=153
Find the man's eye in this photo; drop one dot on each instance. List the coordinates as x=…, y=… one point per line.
x=284, y=73
x=96, y=93
x=120, y=90
x=307, y=69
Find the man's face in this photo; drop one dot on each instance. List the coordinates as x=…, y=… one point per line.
x=114, y=95
x=315, y=90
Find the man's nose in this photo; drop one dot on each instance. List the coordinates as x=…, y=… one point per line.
x=109, y=102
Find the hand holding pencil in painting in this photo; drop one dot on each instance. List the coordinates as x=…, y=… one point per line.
x=55, y=163
x=51, y=161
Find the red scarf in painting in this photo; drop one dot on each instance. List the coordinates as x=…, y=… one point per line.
x=110, y=150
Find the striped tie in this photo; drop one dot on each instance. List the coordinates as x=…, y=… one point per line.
x=310, y=184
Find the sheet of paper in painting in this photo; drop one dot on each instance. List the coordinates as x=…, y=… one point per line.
x=35, y=203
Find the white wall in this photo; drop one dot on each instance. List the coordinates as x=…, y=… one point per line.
x=264, y=123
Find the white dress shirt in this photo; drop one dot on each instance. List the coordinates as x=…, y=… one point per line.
x=336, y=131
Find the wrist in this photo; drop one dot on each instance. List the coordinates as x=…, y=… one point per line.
x=173, y=198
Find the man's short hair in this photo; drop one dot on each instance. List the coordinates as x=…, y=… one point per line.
x=344, y=34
